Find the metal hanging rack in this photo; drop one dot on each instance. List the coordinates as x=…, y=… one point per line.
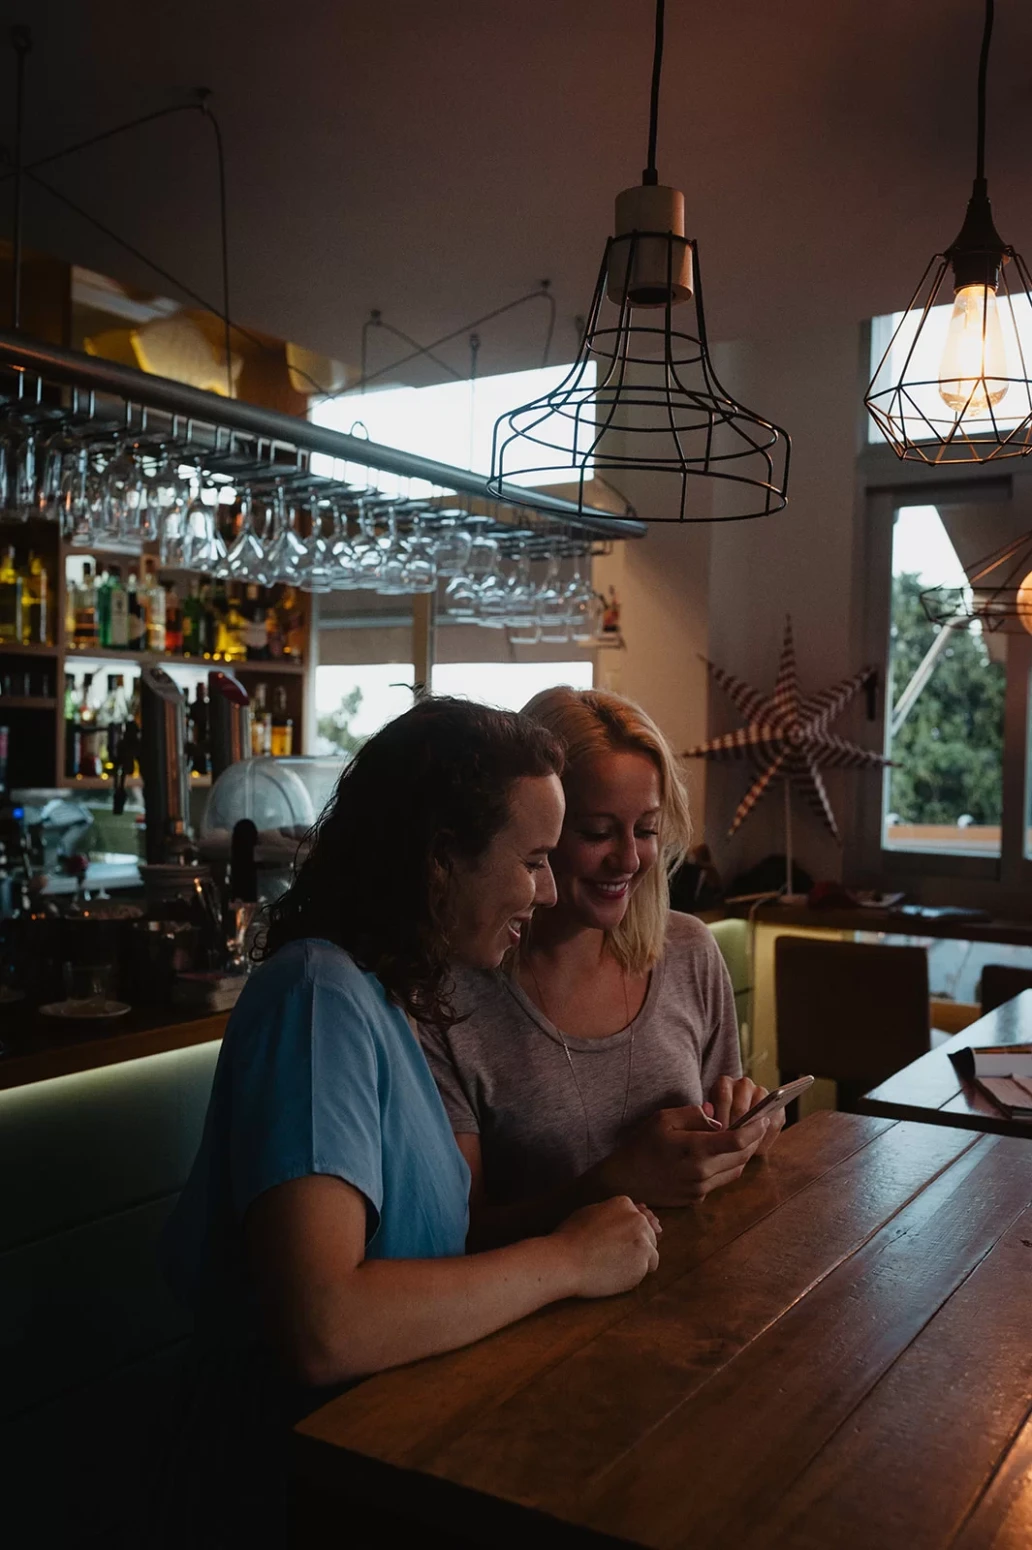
x=251, y=444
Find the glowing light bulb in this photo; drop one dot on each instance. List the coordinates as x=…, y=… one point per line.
x=973, y=369
x=1024, y=602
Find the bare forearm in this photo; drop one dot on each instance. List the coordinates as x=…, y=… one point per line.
x=395, y=1311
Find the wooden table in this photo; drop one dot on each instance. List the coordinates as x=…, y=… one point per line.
x=834, y=1351
x=929, y=1089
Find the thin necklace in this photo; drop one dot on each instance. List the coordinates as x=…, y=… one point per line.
x=588, y=1141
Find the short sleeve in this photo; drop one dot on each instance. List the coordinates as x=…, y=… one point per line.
x=722, y=1055
x=304, y=1094
x=457, y=1101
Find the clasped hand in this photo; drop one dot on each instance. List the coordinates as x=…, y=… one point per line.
x=678, y=1156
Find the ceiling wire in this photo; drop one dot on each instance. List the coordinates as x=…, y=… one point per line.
x=650, y=175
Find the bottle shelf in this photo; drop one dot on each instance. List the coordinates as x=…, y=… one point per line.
x=9, y=649
x=27, y=702
x=160, y=658
x=106, y=782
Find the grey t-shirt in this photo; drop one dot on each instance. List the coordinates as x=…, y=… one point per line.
x=543, y=1116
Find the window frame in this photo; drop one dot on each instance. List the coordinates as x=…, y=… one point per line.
x=885, y=484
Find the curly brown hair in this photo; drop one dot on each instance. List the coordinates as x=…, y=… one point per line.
x=431, y=786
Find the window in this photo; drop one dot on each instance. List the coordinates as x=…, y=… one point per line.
x=508, y=685
x=945, y=729
x=354, y=701
x=451, y=422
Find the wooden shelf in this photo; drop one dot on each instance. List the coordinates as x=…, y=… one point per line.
x=8, y=649
x=107, y=782
x=163, y=658
x=27, y=702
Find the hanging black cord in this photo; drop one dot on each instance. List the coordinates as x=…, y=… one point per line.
x=203, y=95
x=983, y=70
x=650, y=175
x=21, y=38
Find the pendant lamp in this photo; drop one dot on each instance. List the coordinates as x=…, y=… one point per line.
x=642, y=393
x=998, y=595
x=962, y=393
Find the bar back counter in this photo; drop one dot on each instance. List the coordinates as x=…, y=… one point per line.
x=93, y=1159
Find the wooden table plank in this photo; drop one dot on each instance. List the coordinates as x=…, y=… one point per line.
x=833, y=1352
x=931, y=1432
x=930, y=1090
x=408, y=1415
x=765, y=1417
x=550, y=1444
x=1002, y=1519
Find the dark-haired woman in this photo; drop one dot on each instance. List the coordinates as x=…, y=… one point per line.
x=322, y=1230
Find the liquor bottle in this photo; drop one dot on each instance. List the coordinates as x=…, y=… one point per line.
x=137, y=615
x=84, y=629
x=154, y=606
x=173, y=622
x=273, y=633
x=261, y=723
x=197, y=734
x=102, y=605
x=282, y=726
x=234, y=648
x=10, y=600
x=89, y=738
x=35, y=602
x=118, y=611
x=207, y=621
x=72, y=735
x=192, y=618
x=111, y=720
x=292, y=625
x=255, y=639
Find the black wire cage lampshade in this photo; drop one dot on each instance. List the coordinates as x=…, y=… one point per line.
x=643, y=393
x=960, y=391
x=998, y=594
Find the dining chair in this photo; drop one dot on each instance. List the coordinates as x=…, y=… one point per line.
x=1001, y=982
x=850, y=1012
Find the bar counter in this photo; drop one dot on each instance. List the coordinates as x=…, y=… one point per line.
x=37, y=1048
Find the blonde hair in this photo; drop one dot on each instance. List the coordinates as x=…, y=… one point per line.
x=592, y=721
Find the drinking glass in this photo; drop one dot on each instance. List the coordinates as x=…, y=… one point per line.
x=421, y=558
x=552, y=611
x=285, y=552
x=245, y=560
x=452, y=542
x=20, y=440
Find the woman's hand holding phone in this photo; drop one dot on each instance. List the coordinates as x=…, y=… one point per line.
x=677, y=1157
x=733, y=1097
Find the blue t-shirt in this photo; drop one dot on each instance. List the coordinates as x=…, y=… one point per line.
x=318, y=1073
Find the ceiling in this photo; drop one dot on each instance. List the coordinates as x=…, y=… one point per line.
x=436, y=161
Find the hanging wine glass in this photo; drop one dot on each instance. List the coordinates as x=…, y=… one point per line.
x=316, y=567
x=552, y=613
x=343, y=560
x=421, y=559
x=74, y=499
x=452, y=542
x=246, y=559
x=167, y=498
x=285, y=551
x=20, y=439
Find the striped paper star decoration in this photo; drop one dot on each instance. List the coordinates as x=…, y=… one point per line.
x=786, y=735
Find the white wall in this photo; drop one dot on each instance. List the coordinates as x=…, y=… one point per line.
x=800, y=562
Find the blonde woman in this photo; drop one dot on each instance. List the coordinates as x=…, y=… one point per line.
x=603, y=1057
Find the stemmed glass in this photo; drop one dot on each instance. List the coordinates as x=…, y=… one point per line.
x=167, y=498
x=245, y=560
x=421, y=558
x=452, y=542
x=19, y=439
x=552, y=612
x=285, y=552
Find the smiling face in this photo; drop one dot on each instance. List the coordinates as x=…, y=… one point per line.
x=491, y=898
x=610, y=839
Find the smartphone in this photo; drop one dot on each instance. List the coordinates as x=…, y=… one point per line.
x=773, y=1102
